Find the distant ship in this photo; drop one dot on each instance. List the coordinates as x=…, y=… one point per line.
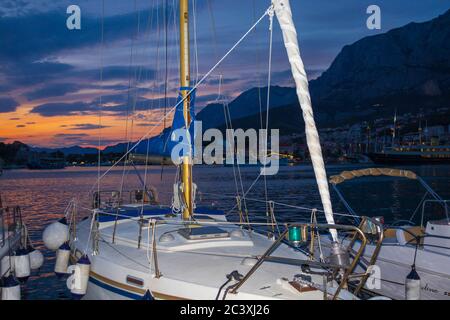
x=414, y=154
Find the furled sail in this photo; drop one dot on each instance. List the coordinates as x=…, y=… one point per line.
x=180, y=123
x=284, y=15
x=163, y=145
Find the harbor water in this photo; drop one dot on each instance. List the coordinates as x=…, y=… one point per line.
x=43, y=196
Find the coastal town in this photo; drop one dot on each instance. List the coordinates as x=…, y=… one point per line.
x=347, y=143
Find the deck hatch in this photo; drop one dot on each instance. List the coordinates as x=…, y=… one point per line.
x=203, y=233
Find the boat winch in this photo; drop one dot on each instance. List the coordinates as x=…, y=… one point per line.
x=339, y=255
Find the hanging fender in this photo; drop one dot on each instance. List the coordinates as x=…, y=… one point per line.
x=79, y=277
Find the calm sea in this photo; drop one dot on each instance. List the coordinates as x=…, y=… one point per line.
x=44, y=195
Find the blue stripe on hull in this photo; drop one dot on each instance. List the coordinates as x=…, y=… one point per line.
x=115, y=290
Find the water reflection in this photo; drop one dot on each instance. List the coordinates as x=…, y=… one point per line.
x=44, y=195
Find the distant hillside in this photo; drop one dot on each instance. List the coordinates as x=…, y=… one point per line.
x=67, y=150
x=406, y=68
x=247, y=105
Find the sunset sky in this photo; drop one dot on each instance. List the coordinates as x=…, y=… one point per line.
x=50, y=89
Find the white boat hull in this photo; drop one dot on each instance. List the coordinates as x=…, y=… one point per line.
x=395, y=261
x=191, y=271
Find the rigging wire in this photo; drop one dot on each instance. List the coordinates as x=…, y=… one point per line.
x=194, y=16
x=166, y=32
x=101, y=95
x=269, y=82
x=129, y=97
x=137, y=79
x=176, y=31
x=241, y=184
x=155, y=82
x=225, y=56
x=166, y=79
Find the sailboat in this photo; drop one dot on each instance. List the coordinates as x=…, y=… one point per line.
x=10, y=237
x=18, y=257
x=404, y=246
x=145, y=250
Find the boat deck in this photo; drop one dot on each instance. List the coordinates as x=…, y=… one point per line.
x=192, y=269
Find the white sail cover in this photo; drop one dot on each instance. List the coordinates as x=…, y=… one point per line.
x=284, y=15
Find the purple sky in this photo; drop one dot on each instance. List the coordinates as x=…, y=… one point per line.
x=49, y=76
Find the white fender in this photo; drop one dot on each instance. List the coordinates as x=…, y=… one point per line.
x=412, y=285
x=10, y=288
x=56, y=234
x=74, y=272
x=78, y=281
x=62, y=259
x=22, y=268
x=36, y=259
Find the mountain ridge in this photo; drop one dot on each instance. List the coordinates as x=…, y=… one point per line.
x=405, y=68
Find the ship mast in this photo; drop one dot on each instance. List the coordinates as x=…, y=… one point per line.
x=185, y=82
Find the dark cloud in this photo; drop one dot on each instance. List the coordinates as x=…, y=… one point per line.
x=46, y=32
x=30, y=123
x=31, y=42
x=82, y=108
x=4, y=87
x=20, y=126
x=113, y=73
x=68, y=139
x=14, y=7
x=8, y=105
x=87, y=126
x=141, y=104
x=216, y=81
x=14, y=119
x=64, y=109
x=70, y=136
x=124, y=72
x=31, y=73
x=49, y=72
x=52, y=90
x=148, y=124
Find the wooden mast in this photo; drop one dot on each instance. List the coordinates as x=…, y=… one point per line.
x=185, y=82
